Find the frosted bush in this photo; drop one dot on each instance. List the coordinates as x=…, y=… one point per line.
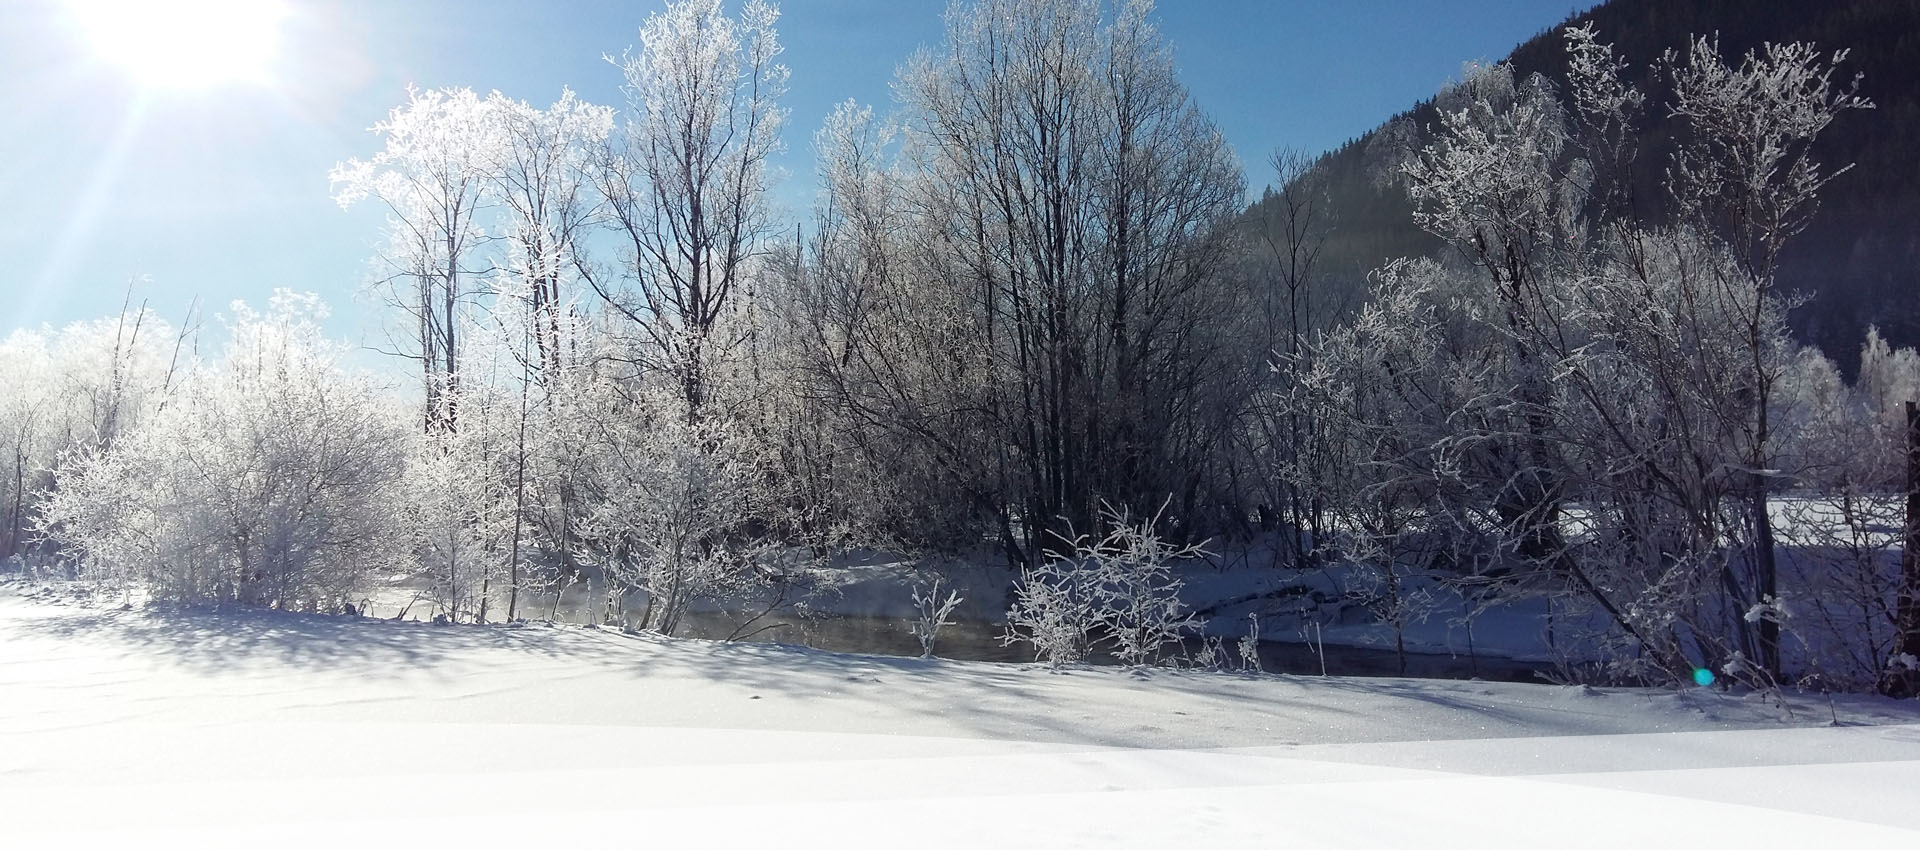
x=268, y=479
x=1054, y=611
x=1118, y=591
x=933, y=613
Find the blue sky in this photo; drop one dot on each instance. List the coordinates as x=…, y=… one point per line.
x=222, y=193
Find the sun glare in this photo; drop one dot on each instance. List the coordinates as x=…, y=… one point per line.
x=184, y=44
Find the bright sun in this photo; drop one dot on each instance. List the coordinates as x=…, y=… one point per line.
x=184, y=44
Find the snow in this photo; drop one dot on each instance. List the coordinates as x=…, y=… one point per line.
x=141, y=727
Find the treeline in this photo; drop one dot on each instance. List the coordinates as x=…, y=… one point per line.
x=1027, y=302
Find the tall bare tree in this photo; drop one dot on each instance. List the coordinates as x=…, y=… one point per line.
x=1748, y=175
x=686, y=182
x=541, y=173
x=432, y=178
x=1073, y=196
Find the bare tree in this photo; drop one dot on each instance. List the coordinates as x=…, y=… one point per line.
x=686, y=181
x=432, y=178
x=1072, y=199
x=1292, y=226
x=1748, y=176
x=541, y=174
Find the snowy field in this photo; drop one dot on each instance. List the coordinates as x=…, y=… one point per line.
x=142, y=728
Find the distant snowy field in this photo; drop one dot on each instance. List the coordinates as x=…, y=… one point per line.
x=142, y=728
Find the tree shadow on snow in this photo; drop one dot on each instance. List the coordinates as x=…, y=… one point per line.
x=216, y=639
x=1009, y=702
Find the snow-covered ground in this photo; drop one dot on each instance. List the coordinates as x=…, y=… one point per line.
x=145, y=728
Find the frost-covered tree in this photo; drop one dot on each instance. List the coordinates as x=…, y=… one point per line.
x=1621, y=364
x=431, y=177
x=492, y=206
x=1888, y=378
x=541, y=171
x=889, y=366
x=1411, y=395
x=1839, y=527
x=1749, y=177
x=1491, y=184
x=461, y=505
x=25, y=417
x=686, y=180
x=1284, y=448
x=676, y=511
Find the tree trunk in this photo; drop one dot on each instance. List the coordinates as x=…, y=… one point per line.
x=1904, y=681
x=1766, y=579
x=1766, y=568
x=19, y=494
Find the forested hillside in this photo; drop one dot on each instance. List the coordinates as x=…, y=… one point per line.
x=1858, y=256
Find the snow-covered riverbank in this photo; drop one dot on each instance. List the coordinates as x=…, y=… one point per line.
x=141, y=726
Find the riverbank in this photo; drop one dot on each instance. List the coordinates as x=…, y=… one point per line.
x=232, y=727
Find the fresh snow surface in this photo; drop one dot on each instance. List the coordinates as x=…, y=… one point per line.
x=135, y=728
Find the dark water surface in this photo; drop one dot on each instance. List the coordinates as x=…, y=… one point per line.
x=979, y=640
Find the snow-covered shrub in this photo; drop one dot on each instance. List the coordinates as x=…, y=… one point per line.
x=1119, y=591
x=933, y=613
x=1139, y=595
x=268, y=478
x=1249, y=644
x=1054, y=611
x=1212, y=654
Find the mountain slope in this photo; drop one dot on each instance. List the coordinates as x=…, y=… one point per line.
x=1858, y=259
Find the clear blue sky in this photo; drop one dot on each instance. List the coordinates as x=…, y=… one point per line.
x=222, y=193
